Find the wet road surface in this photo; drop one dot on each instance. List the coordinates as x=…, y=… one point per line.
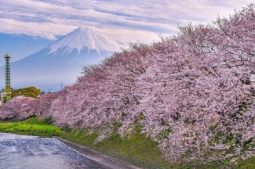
x=28, y=152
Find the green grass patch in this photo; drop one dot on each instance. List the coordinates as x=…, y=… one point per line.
x=32, y=126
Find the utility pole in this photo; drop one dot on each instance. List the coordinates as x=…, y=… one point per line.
x=61, y=85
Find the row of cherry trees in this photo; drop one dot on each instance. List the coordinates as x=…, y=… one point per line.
x=191, y=92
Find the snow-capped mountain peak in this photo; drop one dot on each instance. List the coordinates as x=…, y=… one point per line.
x=63, y=60
x=85, y=37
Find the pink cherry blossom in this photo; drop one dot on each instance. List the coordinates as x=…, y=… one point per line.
x=192, y=93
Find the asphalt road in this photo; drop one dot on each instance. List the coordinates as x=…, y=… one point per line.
x=27, y=152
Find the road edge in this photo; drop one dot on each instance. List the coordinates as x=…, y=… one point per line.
x=106, y=160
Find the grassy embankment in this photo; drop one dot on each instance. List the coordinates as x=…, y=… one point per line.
x=136, y=149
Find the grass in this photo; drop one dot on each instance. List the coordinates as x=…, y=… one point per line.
x=136, y=149
x=31, y=126
x=142, y=151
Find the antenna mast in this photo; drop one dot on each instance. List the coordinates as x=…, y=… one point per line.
x=7, y=71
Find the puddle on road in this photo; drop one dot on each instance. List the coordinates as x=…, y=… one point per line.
x=28, y=152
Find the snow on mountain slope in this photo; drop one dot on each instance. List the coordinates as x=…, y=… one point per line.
x=63, y=60
x=84, y=37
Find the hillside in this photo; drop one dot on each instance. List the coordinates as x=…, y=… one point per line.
x=192, y=93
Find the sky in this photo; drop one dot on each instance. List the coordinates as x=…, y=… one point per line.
x=26, y=26
x=30, y=25
x=123, y=20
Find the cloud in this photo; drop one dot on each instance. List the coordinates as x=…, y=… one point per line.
x=130, y=20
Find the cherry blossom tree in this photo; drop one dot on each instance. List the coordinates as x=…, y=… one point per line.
x=18, y=108
x=192, y=92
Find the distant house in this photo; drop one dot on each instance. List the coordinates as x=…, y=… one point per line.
x=3, y=97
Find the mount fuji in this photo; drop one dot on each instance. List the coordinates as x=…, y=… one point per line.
x=61, y=62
